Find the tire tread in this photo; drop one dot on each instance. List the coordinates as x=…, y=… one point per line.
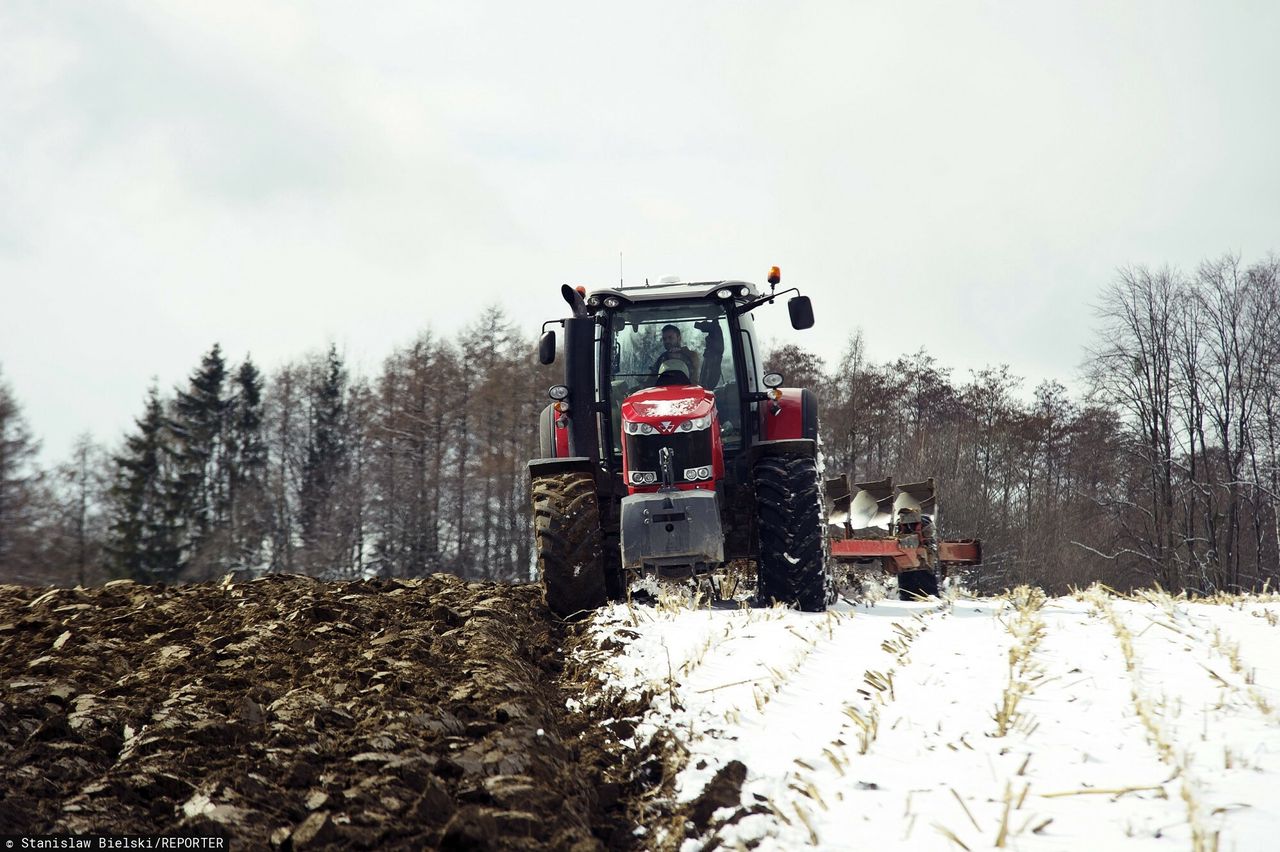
x=566, y=524
x=789, y=516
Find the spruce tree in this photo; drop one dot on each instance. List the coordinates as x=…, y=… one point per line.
x=145, y=528
x=19, y=479
x=247, y=483
x=200, y=428
x=287, y=427
x=324, y=465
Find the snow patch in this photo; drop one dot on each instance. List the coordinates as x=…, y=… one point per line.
x=879, y=723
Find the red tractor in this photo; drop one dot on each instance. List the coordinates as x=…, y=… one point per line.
x=669, y=452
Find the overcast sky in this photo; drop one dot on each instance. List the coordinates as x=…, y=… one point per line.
x=963, y=176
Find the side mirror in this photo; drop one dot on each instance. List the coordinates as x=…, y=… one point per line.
x=801, y=310
x=547, y=348
x=773, y=380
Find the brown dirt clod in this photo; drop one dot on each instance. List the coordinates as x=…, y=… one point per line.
x=291, y=713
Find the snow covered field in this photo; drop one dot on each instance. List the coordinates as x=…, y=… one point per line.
x=1092, y=722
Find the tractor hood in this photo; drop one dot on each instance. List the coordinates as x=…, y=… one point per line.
x=665, y=408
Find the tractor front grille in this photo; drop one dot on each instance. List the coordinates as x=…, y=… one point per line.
x=692, y=450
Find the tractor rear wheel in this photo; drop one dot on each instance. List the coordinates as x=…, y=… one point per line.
x=914, y=585
x=792, y=567
x=566, y=527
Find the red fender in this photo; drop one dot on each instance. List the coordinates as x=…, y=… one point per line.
x=791, y=414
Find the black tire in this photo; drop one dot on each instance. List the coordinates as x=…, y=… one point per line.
x=566, y=527
x=792, y=565
x=914, y=585
x=615, y=579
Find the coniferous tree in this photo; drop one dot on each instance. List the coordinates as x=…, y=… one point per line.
x=19, y=480
x=247, y=469
x=200, y=428
x=286, y=430
x=325, y=465
x=144, y=541
x=393, y=446
x=411, y=442
x=441, y=392
x=487, y=347
x=351, y=517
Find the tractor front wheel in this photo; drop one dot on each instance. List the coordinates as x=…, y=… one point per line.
x=566, y=527
x=792, y=567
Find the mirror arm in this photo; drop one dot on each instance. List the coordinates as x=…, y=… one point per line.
x=751, y=306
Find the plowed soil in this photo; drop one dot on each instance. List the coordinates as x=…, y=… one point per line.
x=300, y=714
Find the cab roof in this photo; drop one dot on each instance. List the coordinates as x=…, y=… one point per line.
x=680, y=290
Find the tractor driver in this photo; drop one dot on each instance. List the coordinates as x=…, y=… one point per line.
x=673, y=349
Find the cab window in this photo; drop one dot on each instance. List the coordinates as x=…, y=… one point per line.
x=695, y=335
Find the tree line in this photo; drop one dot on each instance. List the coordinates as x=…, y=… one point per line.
x=1166, y=469
x=1191, y=365
x=415, y=470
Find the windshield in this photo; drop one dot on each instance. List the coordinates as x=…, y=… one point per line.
x=693, y=336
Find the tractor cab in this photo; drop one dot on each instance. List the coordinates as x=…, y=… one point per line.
x=666, y=409
x=672, y=381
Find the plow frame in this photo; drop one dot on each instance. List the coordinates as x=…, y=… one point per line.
x=875, y=502
x=897, y=557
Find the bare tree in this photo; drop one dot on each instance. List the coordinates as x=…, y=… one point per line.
x=79, y=513
x=1132, y=369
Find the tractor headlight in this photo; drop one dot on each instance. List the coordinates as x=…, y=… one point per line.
x=612, y=302
x=558, y=392
x=726, y=293
x=642, y=477
x=696, y=424
x=693, y=474
x=638, y=428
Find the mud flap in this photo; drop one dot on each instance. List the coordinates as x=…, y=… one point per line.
x=671, y=528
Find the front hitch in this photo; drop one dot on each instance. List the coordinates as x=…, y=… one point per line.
x=666, y=461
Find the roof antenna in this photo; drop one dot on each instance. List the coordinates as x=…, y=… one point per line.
x=620, y=284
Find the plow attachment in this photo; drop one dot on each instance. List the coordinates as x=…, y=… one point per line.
x=873, y=505
x=919, y=497
x=865, y=506
x=863, y=528
x=958, y=552
x=896, y=556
